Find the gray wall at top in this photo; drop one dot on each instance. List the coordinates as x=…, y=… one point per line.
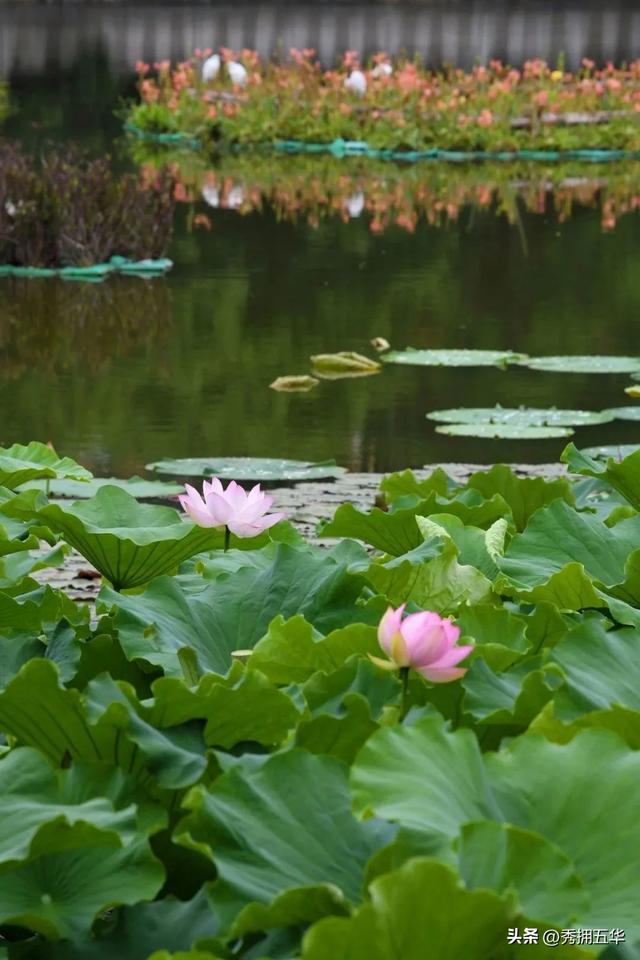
x=31, y=36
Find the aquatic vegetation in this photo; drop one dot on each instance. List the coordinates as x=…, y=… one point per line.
x=313, y=188
x=4, y=100
x=405, y=107
x=64, y=209
x=213, y=763
x=234, y=510
x=294, y=383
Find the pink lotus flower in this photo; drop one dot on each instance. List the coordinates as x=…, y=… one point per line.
x=244, y=514
x=423, y=641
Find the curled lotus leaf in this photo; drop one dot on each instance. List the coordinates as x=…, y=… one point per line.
x=632, y=391
x=20, y=463
x=347, y=363
x=294, y=384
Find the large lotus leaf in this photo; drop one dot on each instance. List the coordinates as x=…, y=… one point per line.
x=601, y=668
x=417, y=912
x=37, y=608
x=243, y=706
x=584, y=364
x=476, y=547
x=513, y=696
x=623, y=477
x=406, y=484
x=59, y=894
x=167, y=923
x=128, y=542
x=557, y=536
x=20, y=463
x=442, y=584
x=235, y=611
x=524, y=495
x=454, y=358
x=396, y=532
x=498, y=634
x=138, y=487
x=283, y=831
x=292, y=651
x=41, y=810
x=522, y=416
x=435, y=782
x=16, y=568
x=503, y=431
x=37, y=710
x=247, y=468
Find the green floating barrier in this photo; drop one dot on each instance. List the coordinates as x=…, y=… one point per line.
x=96, y=272
x=360, y=148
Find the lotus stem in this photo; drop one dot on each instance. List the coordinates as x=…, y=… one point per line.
x=227, y=538
x=404, y=707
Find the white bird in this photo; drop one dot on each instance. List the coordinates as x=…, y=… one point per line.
x=237, y=73
x=211, y=195
x=235, y=198
x=211, y=68
x=355, y=204
x=383, y=69
x=356, y=82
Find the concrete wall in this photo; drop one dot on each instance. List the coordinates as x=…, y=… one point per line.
x=33, y=36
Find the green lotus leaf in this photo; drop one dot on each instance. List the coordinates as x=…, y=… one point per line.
x=282, y=828
x=442, y=584
x=625, y=413
x=36, y=609
x=235, y=611
x=292, y=651
x=128, y=542
x=434, y=782
x=499, y=635
x=59, y=894
x=514, y=696
x=405, y=484
x=557, y=536
x=20, y=463
x=524, y=495
x=248, y=468
x=396, y=532
x=138, y=487
x=624, y=477
x=503, y=431
x=401, y=923
x=522, y=416
x=583, y=364
x=243, y=706
x=454, y=358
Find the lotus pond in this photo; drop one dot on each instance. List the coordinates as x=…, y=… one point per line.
x=245, y=751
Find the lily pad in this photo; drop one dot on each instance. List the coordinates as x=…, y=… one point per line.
x=625, y=413
x=138, y=487
x=294, y=384
x=247, y=468
x=455, y=358
x=333, y=366
x=503, y=431
x=523, y=416
x=583, y=364
x=618, y=451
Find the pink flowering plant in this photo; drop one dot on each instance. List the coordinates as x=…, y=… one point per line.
x=391, y=103
x=232, y=510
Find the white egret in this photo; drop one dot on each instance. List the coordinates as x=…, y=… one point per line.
x=237, y=73
x=211, y=195
x=356, y=82
x=211, y=68
x=234, y=198
x=383, y=69
x=355, y=204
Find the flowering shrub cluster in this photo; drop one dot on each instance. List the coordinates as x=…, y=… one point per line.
x=410, y=744
x=387, y=194
x=400, y=105
x=64, y=209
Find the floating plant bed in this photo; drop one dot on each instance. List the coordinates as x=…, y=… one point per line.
x=66, y=214
x=397, y=111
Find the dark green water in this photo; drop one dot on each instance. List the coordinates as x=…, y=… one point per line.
x=128, y=371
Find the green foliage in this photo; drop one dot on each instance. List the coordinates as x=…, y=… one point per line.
x=215, y=767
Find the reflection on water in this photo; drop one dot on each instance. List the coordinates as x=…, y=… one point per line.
x=47, y=326
x=312, y=188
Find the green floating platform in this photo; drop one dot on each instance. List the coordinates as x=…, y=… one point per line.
x=97, y=272
x=360, y=148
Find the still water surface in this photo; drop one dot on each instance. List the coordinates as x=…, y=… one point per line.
x=128, y=371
